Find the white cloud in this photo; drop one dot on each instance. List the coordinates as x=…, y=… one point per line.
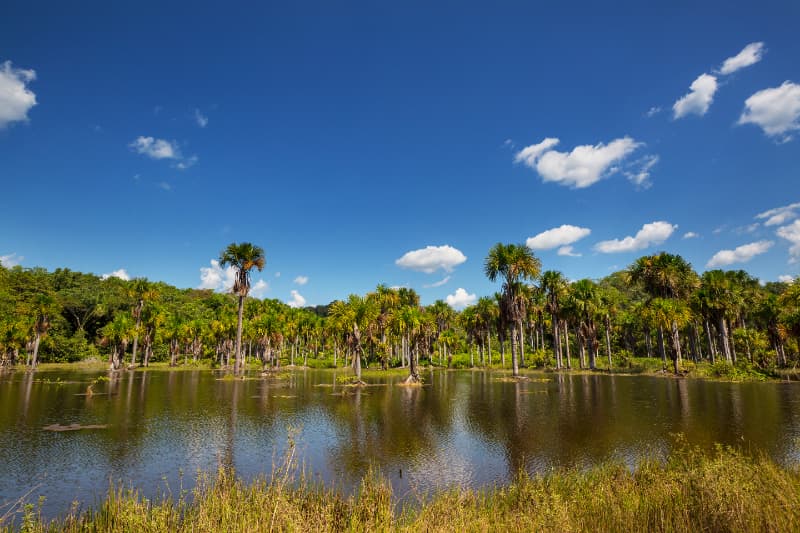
x=791, y=233
x=690, y=235
x=16, y=98
x=200, y=118
x=437, y=283
x=187, y=163
x=155, y=148
x=585, y=165
x=750, y=55
x=776, y=110
x=650, y=234
x=259, y=289
x=301, y=280
x=741, y=254
x=653, y=111
x=297, y=300
x=432, y=258
x=699, y=99
x=216, y=278
x=11, y=260
x=555, y=237
x=460, y=299
x=164, y=186
x=277, y=274
x=641, y=178
x=786, y=278
x=780, y=215
x=568, y=251
x=121, y=274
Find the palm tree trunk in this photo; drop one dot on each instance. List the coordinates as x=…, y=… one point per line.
x=556, y=343
x=608, y=339
x=514, y=361
x=237, y=363
x=723, y=339
x=710, y=339
x=35, y=359
x=661, y=347
x=676, y=347
x=521, y=330
x=566, y=346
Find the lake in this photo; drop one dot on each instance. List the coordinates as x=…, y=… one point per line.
x=464, y=428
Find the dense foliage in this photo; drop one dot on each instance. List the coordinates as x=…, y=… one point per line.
x=658, y=307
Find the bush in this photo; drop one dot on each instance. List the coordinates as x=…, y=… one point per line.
x=537, y=359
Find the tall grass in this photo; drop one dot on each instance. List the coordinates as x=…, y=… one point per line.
x=725, y=491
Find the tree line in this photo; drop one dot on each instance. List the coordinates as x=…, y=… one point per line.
x=658, y=307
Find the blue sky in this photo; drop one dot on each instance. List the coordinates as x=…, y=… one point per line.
x=342, y=137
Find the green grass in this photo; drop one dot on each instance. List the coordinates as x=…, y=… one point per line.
x=691, y=491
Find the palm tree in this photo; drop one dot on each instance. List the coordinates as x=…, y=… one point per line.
x=358, y=316
x=586, y=301
x=514, y=263
x=142, y=292
x=555, y=286
x=243, y=258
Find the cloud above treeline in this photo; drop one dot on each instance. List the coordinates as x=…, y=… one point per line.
x=740, y=254
x=651, y=234
x=120, y=273
x=775, y=110
x=16, y=97
x=563, y=235
x=297, y=300
x=581, y=167
x=432, y=258
x=461, y=299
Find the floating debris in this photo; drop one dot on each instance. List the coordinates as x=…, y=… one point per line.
x=73, y=427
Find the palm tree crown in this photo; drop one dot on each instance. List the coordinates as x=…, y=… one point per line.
x=243, y=258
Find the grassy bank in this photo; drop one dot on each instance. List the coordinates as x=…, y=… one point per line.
x=690, y=492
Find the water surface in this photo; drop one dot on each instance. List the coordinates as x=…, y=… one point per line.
x=463, y=428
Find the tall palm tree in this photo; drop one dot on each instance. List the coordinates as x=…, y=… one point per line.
x=514, y=263
x=555, y=285
x=243, y=258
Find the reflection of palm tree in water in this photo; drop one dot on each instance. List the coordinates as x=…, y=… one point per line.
x=226, y=458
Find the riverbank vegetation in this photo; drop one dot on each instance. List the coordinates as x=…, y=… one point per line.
x=690, y=491
x=656, y=315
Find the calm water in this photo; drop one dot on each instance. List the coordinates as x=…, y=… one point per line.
x=463, y=428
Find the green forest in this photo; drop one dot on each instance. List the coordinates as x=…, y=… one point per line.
x=657, y=310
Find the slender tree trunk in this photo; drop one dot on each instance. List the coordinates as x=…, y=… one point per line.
x=514, y=361
x=723, y=339
x=661, y=347
x=566, y=346
x=556, y=342
x=237, y=362
x=648, y=343
x=36, y=341
x=676, y=347
x=711, y=351
x=489, y=339
x=521, y=331
x=608, y=339
x=136, y=334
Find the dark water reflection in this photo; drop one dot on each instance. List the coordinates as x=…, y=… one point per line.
x=463, y=428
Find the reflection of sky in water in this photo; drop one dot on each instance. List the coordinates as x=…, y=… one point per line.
x=462, y=429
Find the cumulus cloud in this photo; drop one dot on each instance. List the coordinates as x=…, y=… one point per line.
x=786, y=278
x=155, y=148
x=460, y=299
x=779, y=215
x=200, y=118
x=259, y=289
x=11, y=260
x=641, y=176
x=296, y=300
x=439, y=283
x=301, y=280
x=217, y=278
x=690, y=235
x=585, y=165
x=16, y=98
x=791, y=233
x=432, y=258
x=698, y=99
x=750, y=55
x=121, y=274
x=568, y=252
x=775, y=110
x=740, y=254
x=650, y=234
x=555, y=237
